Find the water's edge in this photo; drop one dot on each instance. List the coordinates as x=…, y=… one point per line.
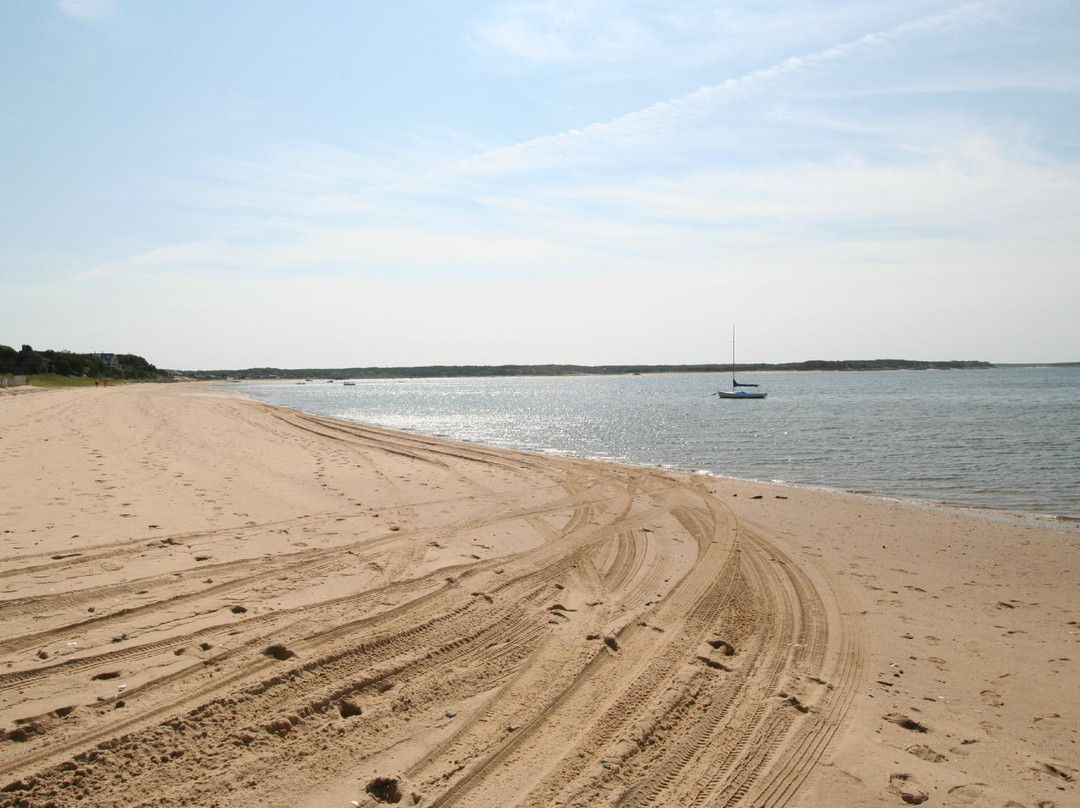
x=982, y=511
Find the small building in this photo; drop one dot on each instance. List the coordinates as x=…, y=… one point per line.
x=109, y=360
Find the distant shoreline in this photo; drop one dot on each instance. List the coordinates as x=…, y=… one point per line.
x=465, y=371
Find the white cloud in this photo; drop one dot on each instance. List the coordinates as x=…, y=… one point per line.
x=772, y=194
x=647, y=36
x=420, y=250
x=940, y=180
x=87, y=9
x=974, y=194
x=604, y=142
x=971, y=195
x=554, y=31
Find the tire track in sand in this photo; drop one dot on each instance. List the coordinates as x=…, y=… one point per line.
x=644, y=649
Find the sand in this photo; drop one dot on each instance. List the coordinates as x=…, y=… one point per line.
x=210, y=601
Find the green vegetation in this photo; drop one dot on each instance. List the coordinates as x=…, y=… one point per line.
x=39, y=365
x=56, y=380
x=438, y=371
x=65, y=368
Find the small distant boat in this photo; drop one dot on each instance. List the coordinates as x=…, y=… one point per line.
x=736, y=391
x=349, y=384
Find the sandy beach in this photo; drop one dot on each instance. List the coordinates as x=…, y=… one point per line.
x=211, y=601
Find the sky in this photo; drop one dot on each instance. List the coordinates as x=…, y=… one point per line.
x=349, y=184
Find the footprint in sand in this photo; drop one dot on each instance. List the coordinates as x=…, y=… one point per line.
x=939, y=663
x=992, y=699
x=1058, y=770
x=902, y=720
x=968, y=794
x=924, y=752
x=908, y=788
x=962, y=749
x=890, y=602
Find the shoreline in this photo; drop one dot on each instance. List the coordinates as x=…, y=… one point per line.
x=1065, y=522
x=210, y=600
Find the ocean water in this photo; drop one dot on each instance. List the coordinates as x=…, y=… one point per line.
x=1004, y=439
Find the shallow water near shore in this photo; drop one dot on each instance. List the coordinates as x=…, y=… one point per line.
x=1006, y=439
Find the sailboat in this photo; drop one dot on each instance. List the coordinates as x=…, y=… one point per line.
x=736, y=391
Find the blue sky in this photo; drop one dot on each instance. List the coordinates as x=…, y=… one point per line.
x=227, y=185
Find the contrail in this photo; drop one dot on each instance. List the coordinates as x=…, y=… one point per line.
x=646, y=123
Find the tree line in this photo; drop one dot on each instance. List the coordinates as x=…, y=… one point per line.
x=457, y=371
x=27, y=361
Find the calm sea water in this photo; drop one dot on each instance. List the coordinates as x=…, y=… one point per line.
x=1003, y=439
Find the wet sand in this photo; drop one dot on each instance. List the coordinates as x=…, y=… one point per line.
x=207, y=600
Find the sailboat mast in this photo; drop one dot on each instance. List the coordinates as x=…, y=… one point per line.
x=733, y=356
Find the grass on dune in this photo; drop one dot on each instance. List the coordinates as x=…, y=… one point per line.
x=56, y=380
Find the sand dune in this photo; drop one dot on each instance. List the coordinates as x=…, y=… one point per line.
x=211, y=601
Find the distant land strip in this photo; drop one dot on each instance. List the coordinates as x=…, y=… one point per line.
x=457, y=371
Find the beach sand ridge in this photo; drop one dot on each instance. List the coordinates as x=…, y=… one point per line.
x=208, y=600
